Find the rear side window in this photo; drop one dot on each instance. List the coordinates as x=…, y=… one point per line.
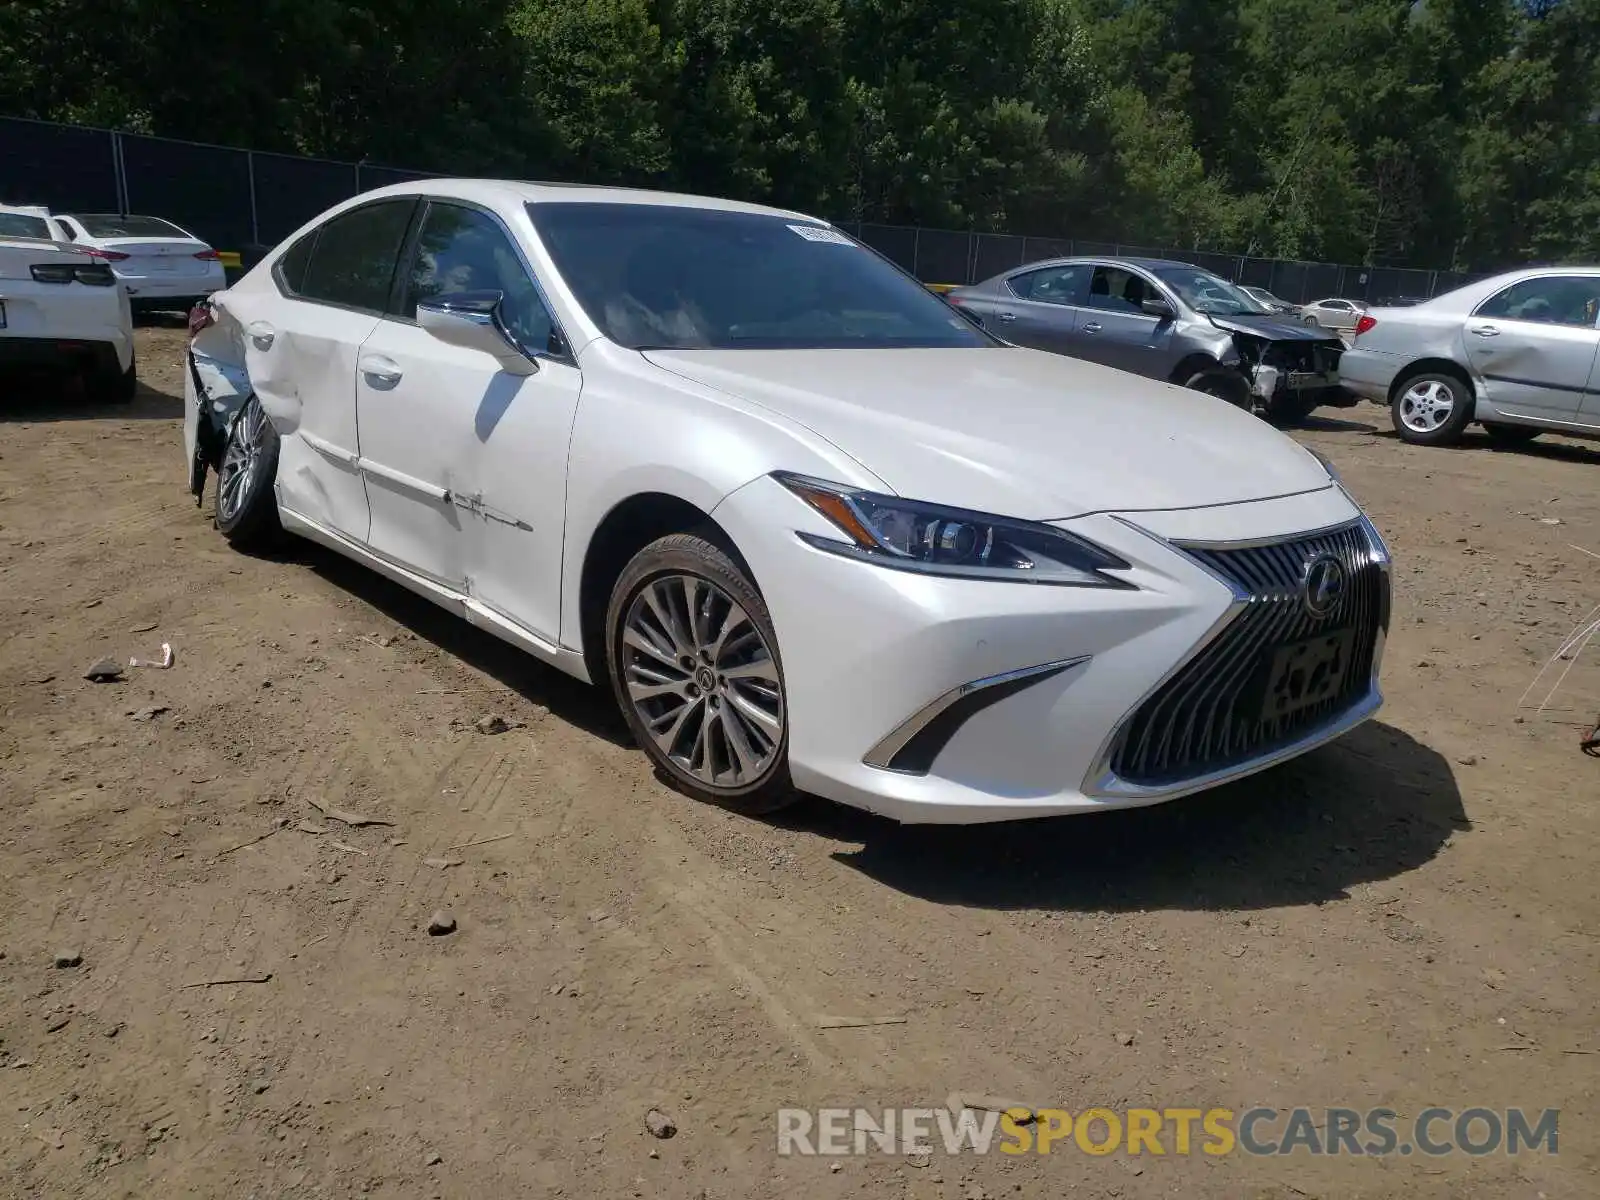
x=291, y=268
x=23, y=226
x=352, y=263
x=1052, y=285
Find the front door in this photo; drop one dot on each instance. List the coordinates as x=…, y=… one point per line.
x=1114, y=328
x=466, y=462
x=1534, y=344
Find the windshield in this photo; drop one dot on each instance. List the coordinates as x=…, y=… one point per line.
x=100, y=225
x=1208, y=293
x=20, y=225
x=666, y=277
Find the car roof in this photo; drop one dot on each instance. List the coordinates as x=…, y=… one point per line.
x=531, y=192
x=26, y=210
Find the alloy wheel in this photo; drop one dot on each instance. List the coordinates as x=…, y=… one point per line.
x=702, y=681
x=1427, y=405
x=236, y=475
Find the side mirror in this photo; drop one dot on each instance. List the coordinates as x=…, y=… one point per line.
x=472, y=321
x=1158, y=306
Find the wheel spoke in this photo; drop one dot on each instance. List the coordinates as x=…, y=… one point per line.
x=760, y=668
x=650, y=691
x=661, y=605
x=768, y=723
x=666, y=728
x=732, y=620
x=733, y=731
x=643, y=639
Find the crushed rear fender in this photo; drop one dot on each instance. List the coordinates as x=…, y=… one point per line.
x=216, y=388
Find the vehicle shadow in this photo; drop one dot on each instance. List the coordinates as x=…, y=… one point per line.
x=1320, y=424
x=30, y=397
x=589, y=708
x=1372, y=806
x=1552, y=447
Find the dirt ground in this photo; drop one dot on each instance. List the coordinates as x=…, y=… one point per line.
x=1407, y=918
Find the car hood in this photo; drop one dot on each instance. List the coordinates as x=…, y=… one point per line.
x=1016, y=432
x=1276, y=328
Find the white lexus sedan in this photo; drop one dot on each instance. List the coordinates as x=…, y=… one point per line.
x=813, y=527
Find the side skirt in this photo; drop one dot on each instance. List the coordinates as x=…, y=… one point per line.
x=570, y=661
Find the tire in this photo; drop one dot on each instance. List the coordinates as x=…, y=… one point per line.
x=1292, y=410
x=1224, y=385
x=1510, y=435
x=716, y=737
x=247, y=509
x=1308, y=320
x=1431, y=408
x=114, y=387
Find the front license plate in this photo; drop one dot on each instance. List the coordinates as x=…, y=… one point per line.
x=1305, y=674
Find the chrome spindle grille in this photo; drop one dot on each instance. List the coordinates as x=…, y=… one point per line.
x=1213, y=713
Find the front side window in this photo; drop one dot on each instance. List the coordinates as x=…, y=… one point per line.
x=352, y=262
x=657, y=276
x=1119, y=290
x=1051, y=285
x=1552, y=300
x=461, y=249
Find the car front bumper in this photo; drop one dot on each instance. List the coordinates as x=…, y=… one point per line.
x=1029, y=691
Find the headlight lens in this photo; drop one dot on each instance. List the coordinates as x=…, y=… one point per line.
x=910, y=535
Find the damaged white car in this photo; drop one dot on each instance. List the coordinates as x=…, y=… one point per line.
x=811, y=526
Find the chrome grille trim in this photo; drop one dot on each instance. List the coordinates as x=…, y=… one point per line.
x=1203, y=722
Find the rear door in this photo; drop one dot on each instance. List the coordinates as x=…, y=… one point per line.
x=1115, y=329
x=302, y=339
x=1534, y=343
x=1039, y=307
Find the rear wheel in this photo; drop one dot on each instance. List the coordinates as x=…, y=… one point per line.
x=1510, y=435
x=247, y=510
x=693, y=661
x=114, y=386
x=1432, y=408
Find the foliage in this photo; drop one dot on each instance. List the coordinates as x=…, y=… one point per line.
x=1447, y=133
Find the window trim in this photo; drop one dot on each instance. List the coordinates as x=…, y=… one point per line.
x=408, y=254
x=316, y=233
x=1150, y=280
x=1040, y=268
x=1477, y=311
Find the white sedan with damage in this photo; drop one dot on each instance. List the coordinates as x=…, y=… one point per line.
x=814, y=529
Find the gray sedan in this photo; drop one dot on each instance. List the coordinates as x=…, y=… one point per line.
x=1165, y=320
x=1518, y=353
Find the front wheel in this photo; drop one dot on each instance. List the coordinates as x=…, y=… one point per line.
x=1431, y=409
x=694, y=663
x=1224, y=385
x=247, y=510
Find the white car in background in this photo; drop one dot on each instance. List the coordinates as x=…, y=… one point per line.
x=61, y=311
x=1518, y=353
x=161, y=265
x=810, y=525
x=1333, y=313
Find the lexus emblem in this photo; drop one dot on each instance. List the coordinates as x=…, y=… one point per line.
x=1322, y=585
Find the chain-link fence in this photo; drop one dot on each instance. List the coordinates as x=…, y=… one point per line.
x=245, y=201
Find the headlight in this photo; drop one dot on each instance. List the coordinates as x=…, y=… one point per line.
x=909, y=535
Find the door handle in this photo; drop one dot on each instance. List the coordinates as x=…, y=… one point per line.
x=1092, y=327
x=1485, y=331
x=1008, y=316
x=262, y=334
x=379, y=368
